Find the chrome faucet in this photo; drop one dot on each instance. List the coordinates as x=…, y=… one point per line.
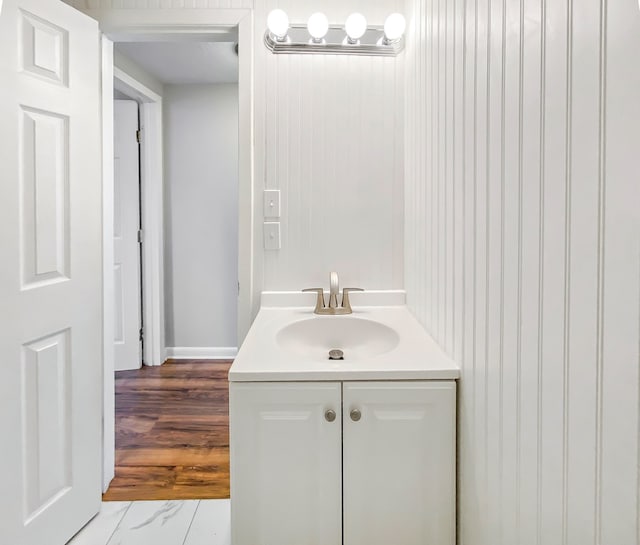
x=334, y=290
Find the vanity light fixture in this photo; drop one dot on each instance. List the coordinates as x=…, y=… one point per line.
x=355, y=37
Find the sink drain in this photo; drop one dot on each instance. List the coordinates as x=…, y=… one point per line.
x=336, y=354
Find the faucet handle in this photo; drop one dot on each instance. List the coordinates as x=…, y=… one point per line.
x=346, y=303
x=320, y=298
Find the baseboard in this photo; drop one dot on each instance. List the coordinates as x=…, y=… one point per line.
x=201, y=352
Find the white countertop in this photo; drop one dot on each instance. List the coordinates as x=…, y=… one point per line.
x=416, y=356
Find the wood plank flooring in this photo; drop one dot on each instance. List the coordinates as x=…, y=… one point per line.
x=172, y=432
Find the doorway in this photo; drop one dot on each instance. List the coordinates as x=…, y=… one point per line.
x=193, y=25
x=165, y=449
x=198, y=83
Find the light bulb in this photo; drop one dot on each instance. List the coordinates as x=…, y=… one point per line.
x=394, y=27
x=355, y=27
x=278, y=23
x=318, y=25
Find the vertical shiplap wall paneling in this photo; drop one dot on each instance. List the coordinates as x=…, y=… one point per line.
x=510, y=294
x=459, y=192
x=494, y=280
x=482, y=135
x=621, y=278
x=449, y=231
x=522, y=247
x=334, y=132
x=410, y=116
x=583, y=272
x=532, y=228
x=469, y=509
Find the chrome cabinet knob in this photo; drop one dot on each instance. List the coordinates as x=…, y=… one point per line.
x=330, y=415
x=355, y=414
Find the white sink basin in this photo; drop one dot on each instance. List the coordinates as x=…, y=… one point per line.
x=381, y=340
x=358, y=338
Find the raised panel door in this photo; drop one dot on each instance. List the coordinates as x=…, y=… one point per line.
x=399, y=463
x=285, y=464
x=50, y=277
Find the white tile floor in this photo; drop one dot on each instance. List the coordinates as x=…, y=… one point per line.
x=191, y=522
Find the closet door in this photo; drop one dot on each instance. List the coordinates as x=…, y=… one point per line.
x=126, y=245
x=285, y=463
x=399, y=463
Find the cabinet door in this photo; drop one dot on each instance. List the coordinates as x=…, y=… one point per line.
x=285, y=464
x=399, y=463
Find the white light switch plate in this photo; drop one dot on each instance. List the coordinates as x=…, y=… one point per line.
x=271, y=203
x=271, y=235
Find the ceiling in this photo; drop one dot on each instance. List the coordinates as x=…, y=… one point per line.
x=185, y=62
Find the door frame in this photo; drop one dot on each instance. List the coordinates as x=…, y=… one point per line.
x=132, y=25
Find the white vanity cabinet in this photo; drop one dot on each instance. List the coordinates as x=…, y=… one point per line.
x=343, y=463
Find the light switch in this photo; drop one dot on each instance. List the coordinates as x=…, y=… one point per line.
x=271, y=203
x=271, y=235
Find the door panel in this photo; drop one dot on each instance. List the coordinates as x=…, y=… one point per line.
x=45, y=192
x=43, y=47
x=46, y=372
x=50, y=278
x=286, y=464
x=126, y=250
x=399, y=463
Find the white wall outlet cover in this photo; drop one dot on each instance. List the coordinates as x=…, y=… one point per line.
x=271, y=235
x=271, y=203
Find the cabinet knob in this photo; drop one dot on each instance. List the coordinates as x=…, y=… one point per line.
x=355, y=414
x=330, y=415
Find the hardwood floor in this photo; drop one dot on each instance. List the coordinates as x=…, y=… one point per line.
x=172, y=432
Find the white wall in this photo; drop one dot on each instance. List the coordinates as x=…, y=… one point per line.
x=330, y=134
x=522, y=256
x=201, y=215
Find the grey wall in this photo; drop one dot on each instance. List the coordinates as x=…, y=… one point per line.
x=136, y=71
x=201, y=222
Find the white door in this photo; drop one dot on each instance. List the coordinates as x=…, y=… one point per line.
x=286, y=460
x=126, y=223
x=399, y=463
x=50, y=272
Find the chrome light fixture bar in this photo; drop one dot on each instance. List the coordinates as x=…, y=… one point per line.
x=385, y=41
